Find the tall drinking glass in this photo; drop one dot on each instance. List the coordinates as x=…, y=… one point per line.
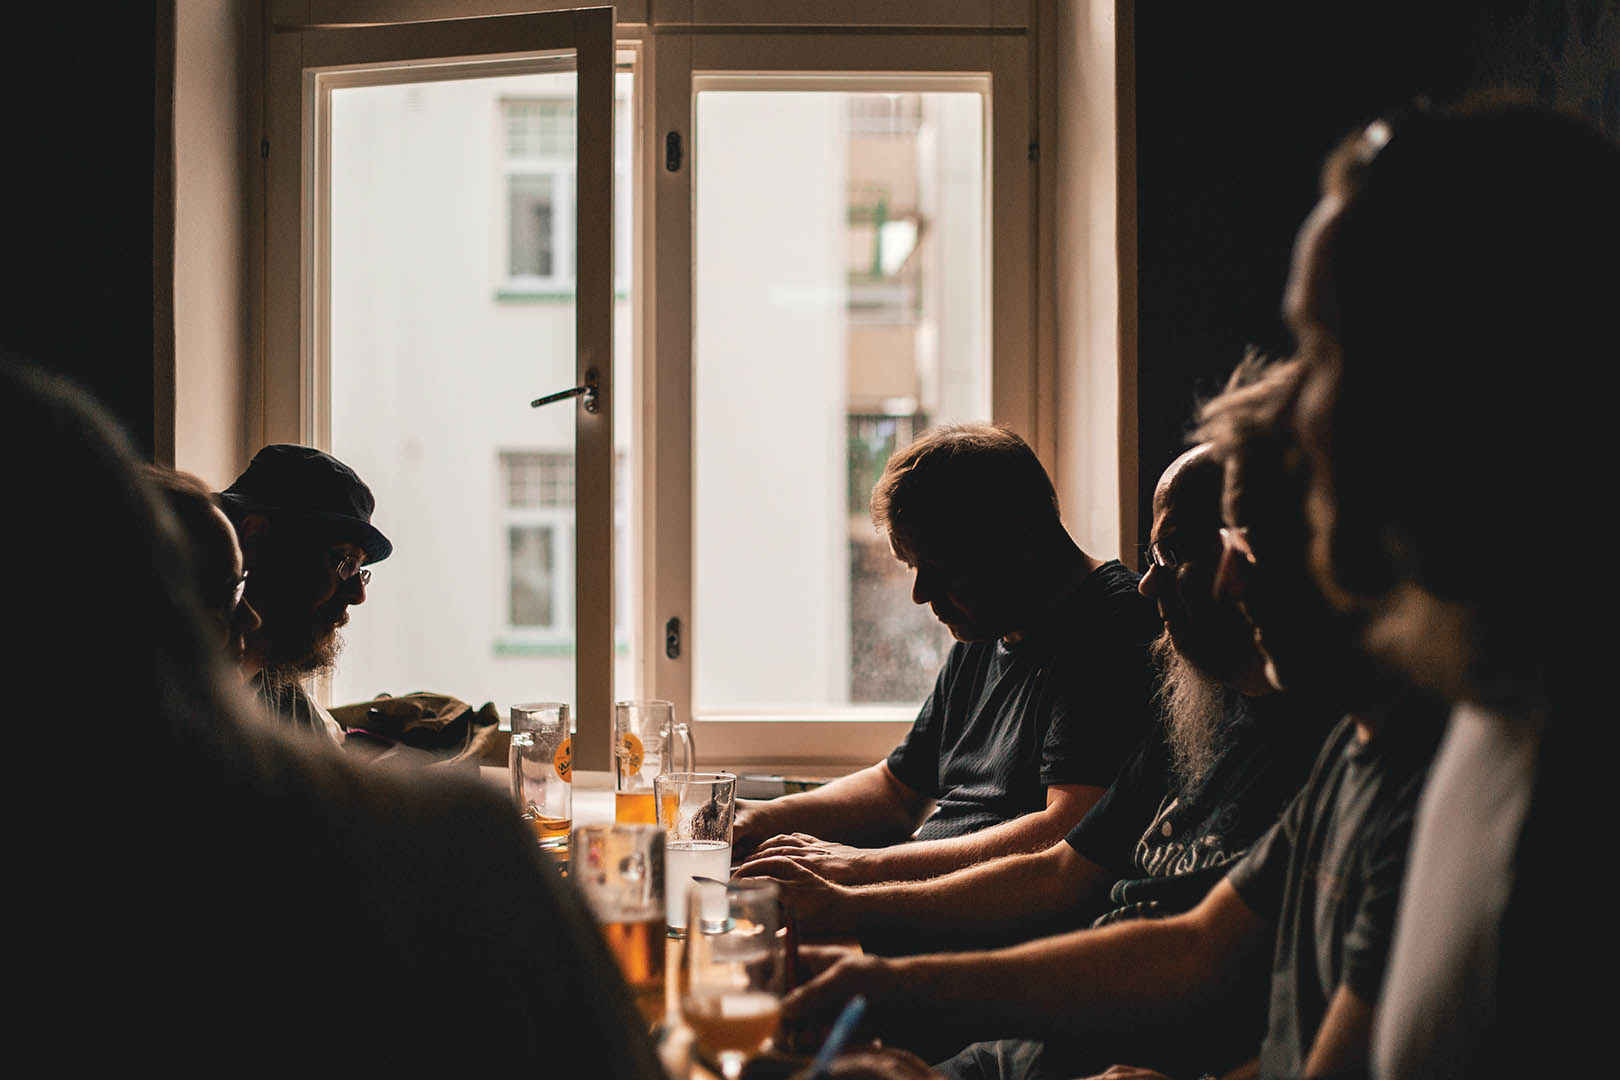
x=696, y=811
x=620, y=869
x=644, y=742
x=541, y=762
x=732, y=969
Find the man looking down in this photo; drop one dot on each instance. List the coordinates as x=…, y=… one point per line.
x=1039, y=703
x=1296, y=931
x=1215, y=774
x=304, y=520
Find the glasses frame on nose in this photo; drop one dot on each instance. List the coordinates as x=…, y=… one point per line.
x=1163, y=556
x=346, y=566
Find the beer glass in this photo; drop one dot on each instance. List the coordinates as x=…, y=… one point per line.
x=620, y=870
x=695, y=810
x=541, y=762
x=644, y=734
x=731, y=974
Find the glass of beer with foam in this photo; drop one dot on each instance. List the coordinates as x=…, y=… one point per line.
x=620, y=869
x=645, y=738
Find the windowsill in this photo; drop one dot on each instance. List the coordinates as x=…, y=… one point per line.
x=559, y=295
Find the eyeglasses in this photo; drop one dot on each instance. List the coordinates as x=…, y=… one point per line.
x=238, y=591
x=1236, y=539
x=1163, y=556
x=346, y=566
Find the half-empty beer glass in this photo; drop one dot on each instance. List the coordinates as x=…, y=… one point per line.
x=620, y=869
x=731, y=975
x=696, y=811
x=542, y=767
x=645, y=735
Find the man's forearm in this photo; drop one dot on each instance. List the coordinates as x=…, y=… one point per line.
x=1011, y=898
x=868, y=807
x=1106, y=987
x=921, y=859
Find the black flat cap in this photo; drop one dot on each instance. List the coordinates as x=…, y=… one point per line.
x=316, y=488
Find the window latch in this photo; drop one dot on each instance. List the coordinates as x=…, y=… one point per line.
x=672, y=639
x=587, y=392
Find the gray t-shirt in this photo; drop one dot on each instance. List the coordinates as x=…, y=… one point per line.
x=1328, y=876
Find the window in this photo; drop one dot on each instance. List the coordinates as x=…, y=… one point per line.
x=748, y=584
x=822, y=354
x=539, y=185
x=539, y=524
x=538, y=166
x=538, y=521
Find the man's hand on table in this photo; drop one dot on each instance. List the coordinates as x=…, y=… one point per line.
x=821, y=906
x=889, y=1002
x=750, y=827
x=838, y=863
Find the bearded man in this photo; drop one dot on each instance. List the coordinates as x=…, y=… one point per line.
x=304, y=520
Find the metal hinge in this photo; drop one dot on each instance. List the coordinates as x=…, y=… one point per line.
x=672, y=151
x=1035, y=150
x=672, y=639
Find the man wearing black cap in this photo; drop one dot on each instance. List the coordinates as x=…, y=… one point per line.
x=304, y=519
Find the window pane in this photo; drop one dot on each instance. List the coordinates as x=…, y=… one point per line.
x=433, y=364
x=533, y=574
x=530, y=217
x=841, y=308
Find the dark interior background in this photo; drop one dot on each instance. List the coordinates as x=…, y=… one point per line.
x=1237, y=104
x=79, y=101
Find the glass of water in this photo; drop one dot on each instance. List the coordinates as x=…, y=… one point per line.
x=542, y=766
x=696, y=812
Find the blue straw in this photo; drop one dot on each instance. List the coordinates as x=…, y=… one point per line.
x=842, y=1030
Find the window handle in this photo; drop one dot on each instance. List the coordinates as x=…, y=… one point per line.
x=588, y=392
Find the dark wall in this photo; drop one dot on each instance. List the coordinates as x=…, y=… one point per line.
x=79, y=168
x=1237, y=104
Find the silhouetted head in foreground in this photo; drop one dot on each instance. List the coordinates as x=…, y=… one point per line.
x=1454, y=295
x=215, y=560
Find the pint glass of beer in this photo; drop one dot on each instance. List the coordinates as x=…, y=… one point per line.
x=645, y=737
x=620, y=869
x=731, y=977
x=541, y=762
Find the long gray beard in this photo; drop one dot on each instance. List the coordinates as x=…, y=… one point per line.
x=1194, y=710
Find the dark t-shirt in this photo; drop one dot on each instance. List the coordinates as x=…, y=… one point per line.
x=1329, y=874
x=1168, y=848
x=1066, y=705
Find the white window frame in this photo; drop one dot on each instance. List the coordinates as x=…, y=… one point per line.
x=994, y=39
x=871, y=59
x=311, y=53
